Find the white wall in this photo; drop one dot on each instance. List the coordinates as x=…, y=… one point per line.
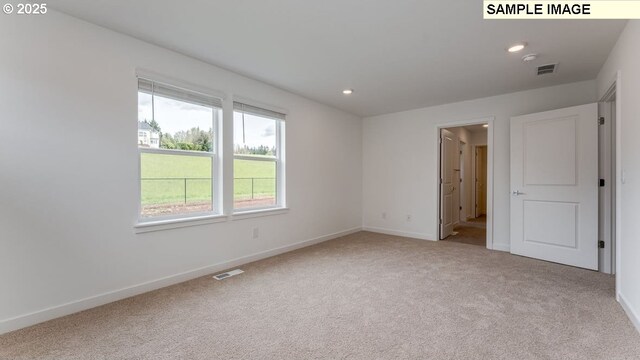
x=624, y=58
x=400, y=157
x=68, y=175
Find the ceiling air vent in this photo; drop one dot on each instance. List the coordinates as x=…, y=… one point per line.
x=547, y=69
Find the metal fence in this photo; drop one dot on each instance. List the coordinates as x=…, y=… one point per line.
x=259, y=186
x=193, y=188
x=172, y=189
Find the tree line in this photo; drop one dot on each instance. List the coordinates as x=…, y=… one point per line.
x=196, y=139
x=255, y=150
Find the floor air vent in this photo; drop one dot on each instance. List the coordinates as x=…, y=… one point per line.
x=547, y=69
x=228, y=274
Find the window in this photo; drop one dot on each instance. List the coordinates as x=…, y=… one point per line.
x=258, y=161
x=178, y=147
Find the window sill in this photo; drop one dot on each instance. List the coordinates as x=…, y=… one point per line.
x=149, y=226
x=248, y=214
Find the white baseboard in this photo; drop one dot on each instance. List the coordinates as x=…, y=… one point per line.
x=633, y=316
x=408, y=234
x=53, y=312
x=501, y=247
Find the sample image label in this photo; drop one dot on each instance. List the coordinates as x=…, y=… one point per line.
x=595, y=9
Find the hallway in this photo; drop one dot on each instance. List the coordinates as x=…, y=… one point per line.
x=472, y=232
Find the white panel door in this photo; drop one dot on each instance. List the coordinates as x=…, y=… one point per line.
x=448, y=159
x=554, y=186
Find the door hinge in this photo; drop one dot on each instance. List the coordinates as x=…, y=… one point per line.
x=440, y=180
x=601, y=244
x=601, y=182
x=440, y=221
x=601, y=120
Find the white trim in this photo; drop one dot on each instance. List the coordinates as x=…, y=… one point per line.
x=163, y=151
x=227, y=162
x=502, y=247
x=278, y=160
x=168, y=224
x=617, y=240
x=490, y=170
x=281, y=179
x=217, y=179
x=256, y=157
x=160, y=78
x=409, y=234
x=240, y=215
x=259, y=104
x=633, y=315
x=618, y=215
x=53, y=312
x=182, y=220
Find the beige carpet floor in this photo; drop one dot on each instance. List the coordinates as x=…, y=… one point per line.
x=482, y=220
x=472, y=235
x=363, y=296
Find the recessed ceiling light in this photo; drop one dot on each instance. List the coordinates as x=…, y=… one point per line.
x=347, y=91
x=529, y=57
x=516, y=47
x=485, y=125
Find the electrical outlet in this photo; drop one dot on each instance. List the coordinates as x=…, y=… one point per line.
x=384, y=216
x=408, y=218
x=256, y=233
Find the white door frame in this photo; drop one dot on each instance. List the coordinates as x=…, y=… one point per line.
x=486, y=120
x=616, y=84
x=606, y=194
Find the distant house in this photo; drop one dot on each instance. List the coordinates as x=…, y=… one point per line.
x=147, y=136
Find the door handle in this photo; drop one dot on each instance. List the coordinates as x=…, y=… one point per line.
x=517, y=193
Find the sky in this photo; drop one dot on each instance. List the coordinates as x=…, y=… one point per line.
x=257, y=131
x=173, y=116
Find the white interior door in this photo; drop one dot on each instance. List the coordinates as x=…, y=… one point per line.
x=554, y=184
x=448, y=159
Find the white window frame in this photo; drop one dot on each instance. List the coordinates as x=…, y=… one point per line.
x=279, y=161
x=215, y=155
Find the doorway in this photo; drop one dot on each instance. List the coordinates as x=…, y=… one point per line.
x=607, y=184
x=464, y=184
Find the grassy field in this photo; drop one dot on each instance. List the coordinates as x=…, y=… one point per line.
x=164, y=179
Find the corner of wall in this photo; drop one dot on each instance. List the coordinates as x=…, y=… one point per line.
x=631, y=313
